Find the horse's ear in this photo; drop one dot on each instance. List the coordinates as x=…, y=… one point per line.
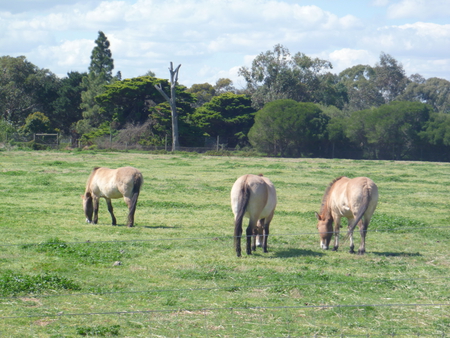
x=318, y=216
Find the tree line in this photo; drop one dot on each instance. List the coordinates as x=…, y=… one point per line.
x=292, y=105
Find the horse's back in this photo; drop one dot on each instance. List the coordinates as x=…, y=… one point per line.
x=363, y=186
x=362, y=193
x=262, y=195
x=114, y=183
x=348, y=196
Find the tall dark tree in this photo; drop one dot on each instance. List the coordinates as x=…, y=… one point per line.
x=277, y=75
x=203, y=92
x=289, y=128
x=137, y=102
x=391, y=131
x=228, y=116
x=25, y=89
x=101, y=58
x=66, y=108
x=362, y=90
x=100, y=74
x=390, y=78
x=433, y=91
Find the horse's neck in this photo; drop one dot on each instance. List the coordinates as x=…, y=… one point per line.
x=326, y=211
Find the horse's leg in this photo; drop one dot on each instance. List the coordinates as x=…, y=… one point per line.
x=131, y=211
x=257, y=234
x=363, y=232
x=255, y=237
x=266, y=235
x=350, y=235
x=337, y=226
x=95, y=204
x=249, y=232
x=237, y=238
x=110, y=209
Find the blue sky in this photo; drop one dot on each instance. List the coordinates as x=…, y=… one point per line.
x=212, y=39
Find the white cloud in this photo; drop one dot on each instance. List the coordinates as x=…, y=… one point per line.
x=69, y=55
x=380, y=3
x=422, y=9
x=212, y=37
x=345, y=58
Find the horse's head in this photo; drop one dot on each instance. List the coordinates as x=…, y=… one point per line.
x=325, y=227
x=88, y=206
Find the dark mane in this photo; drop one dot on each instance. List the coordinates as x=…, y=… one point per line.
x=325, y=195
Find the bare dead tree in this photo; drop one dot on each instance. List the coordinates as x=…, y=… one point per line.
x=173, y=107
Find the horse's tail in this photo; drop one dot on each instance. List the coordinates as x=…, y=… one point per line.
x=366, y=198
x=138, y=180
x=244, y=197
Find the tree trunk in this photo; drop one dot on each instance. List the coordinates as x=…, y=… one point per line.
x=172, y=103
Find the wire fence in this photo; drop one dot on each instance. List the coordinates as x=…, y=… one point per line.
x=302, y=320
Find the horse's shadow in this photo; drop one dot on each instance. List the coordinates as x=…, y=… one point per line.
x=397, y=254
x=296, y=253
x=150, y=226
x=160, y=227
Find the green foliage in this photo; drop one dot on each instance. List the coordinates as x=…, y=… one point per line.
x=100, y=330
x=277, y=75
x=433, y=91
x=36, y=123
x=13, y=284
x=203, y=92
x=228, y=115
x=392, y=131
x=437, y=129
x=137, y=102
x=24, y=89
x=85, y=253
x=289, y=129
x=100, y=74
x=67, y=109
x=102, y=130
x=101, y=58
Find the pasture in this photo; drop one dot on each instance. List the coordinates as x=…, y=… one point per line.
x=176, y=274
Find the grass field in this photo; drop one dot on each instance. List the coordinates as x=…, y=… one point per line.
x=175, y=274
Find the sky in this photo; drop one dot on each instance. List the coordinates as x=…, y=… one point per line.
x=212, y=39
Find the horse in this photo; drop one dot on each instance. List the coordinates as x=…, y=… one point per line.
x=112, y=183
x=254, y=197
x=355, y=199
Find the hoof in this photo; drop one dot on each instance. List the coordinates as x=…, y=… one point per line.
x=335, y=248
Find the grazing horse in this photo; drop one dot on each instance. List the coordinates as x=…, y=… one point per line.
x=112, y=183
x=355, y=199
x=255, y=198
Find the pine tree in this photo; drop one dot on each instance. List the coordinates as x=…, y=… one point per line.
x=101, y=58
x=100, y=74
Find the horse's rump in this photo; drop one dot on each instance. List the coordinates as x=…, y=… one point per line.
x=354, y=199
x=253, y=197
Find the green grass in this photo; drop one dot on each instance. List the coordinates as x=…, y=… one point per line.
x=175, y=274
